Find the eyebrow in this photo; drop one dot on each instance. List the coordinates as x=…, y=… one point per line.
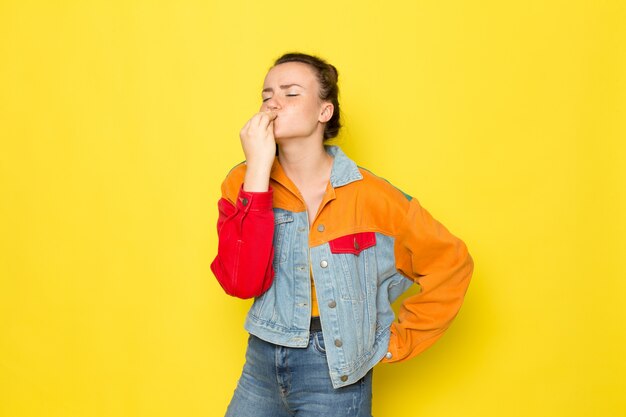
x=282, y=87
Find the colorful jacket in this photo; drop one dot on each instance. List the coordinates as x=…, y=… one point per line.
x=368, y=243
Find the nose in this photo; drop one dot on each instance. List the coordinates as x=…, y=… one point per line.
x=272, y=104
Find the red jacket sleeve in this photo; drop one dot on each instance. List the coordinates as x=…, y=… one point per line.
x=243, y=265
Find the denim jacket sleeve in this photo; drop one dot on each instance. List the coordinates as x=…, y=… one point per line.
x=427, y=253
x=243, y=265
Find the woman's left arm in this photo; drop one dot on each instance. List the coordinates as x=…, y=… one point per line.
x=439, y=262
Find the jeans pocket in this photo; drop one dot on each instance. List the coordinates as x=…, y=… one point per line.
x=318, y=343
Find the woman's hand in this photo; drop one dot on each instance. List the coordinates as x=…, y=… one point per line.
x=257, y=141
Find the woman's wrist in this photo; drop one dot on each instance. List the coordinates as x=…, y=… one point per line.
x=257, y=179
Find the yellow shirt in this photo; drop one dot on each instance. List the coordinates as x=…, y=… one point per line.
x=315, y=312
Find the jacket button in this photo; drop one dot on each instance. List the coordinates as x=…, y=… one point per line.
x=323, y=264
x=344, y=378
x=388, y=355
x=244, y=201
x=332, y=304
x=320, y=228
x=338, y=343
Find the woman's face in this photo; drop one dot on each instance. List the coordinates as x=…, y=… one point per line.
x=292, y=91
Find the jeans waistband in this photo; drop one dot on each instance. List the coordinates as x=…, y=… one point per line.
x=316, y=325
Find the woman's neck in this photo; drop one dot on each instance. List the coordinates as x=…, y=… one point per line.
x=305, y=162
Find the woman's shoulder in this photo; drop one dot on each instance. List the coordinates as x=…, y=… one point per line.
x=381, y=186
x=237, y=171
x=380, y=205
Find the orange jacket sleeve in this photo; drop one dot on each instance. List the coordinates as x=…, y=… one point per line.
x=439, y=262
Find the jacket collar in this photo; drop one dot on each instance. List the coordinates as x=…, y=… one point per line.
x=344, y=170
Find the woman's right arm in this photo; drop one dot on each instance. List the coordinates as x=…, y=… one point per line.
x=243, y=265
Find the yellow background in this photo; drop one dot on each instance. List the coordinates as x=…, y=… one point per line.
x=119, y=120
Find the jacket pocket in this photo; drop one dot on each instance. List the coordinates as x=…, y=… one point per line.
x=354, y=243
x=355, y=256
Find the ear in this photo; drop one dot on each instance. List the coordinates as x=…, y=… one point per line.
x=327, y=112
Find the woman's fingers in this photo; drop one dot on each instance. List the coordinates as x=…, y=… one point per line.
x=257, y=122
x=269, y=129
x=245, y=127
x=257, y=140
x=272, y=114
x=264, y=118
x=259, y=128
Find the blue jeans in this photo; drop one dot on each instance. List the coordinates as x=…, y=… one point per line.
x=280, y=381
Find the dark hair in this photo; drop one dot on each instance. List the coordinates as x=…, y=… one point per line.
x=329, y=91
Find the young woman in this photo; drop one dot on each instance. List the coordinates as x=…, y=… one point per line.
x=325, y=247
